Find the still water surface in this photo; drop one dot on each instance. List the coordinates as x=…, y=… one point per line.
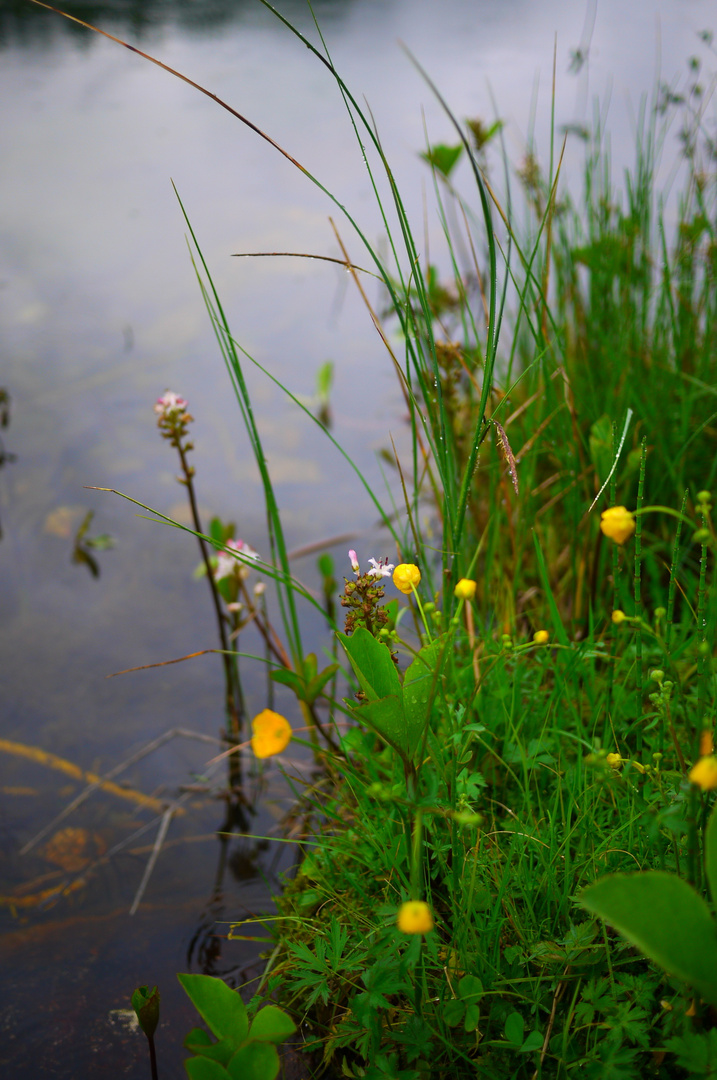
x=100, y=312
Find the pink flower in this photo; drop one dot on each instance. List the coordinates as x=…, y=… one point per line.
x=228, y=564
x=354, y=562
x=169, y=403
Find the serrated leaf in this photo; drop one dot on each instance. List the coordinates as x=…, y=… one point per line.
x=220, y=1007
x=666, y=919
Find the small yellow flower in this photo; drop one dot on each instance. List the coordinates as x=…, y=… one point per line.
x=613, y=760
x=272, y=734
x=617, y=523
x=406, y=576
x=704, y=773
x=465, y=589
x=414, y=917
x=618, y=617
x=541, y=637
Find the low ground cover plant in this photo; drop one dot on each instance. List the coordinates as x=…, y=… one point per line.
x=526, y=695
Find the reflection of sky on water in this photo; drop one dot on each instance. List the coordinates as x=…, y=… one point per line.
x=100, y=312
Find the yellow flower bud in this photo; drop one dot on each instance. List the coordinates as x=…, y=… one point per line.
x=272, y=734
x=465, y=589
x=613, y=760
x=541, y=637
x=618, y=617
x=617, y=523
x=704, y=773
x=414, y=917
x=406, y=576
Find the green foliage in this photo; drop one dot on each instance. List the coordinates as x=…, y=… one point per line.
x=665, y=918
x=242, y=1051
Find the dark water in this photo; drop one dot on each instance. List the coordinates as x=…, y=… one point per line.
x=100, y=313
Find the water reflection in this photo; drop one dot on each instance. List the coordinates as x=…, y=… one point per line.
x=24, y=24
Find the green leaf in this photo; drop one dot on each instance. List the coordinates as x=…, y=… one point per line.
x=197, y=1037
x=666, y=919
x=514, y=1027
x=290, y=679
x=220, y=1051
x=372, y=664
x=387, y=718
x=470, y=989
x=711, y=853
x=221, y=1008
x=696, y=1052
x=202, y=1068
x=319, y=682
x=472, y=1019
x=272, y=1024
x=255, y=1061
x=419, y=687
x=534, y=1041
x=443, y=158
x=453, y=1013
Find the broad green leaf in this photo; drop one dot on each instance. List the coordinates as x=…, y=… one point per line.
x=534, y=1041
x=255, y=1061
x=470, y=989
x=419, y=684
x=514, y=1028
x=372, y=664
x=197, y=1037
x=472, y=1019
x=202, y=1068
x=272, y=1024
x=453, y=1012
x=220, y=1051
x=711, y=853
x=666, y=919
x=386, y=717
x=221, y=1008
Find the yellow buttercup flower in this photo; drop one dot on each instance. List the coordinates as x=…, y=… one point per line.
x=465, y=589
x=414, y=917
x=406, y=576
x=704, y=773
x=541, y=637
x=618, y=616
x=618, y=523
x=272, y=733
x=613, y=760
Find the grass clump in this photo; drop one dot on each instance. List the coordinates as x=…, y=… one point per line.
x=526, y=712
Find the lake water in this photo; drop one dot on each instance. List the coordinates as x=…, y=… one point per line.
x=100, y=312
